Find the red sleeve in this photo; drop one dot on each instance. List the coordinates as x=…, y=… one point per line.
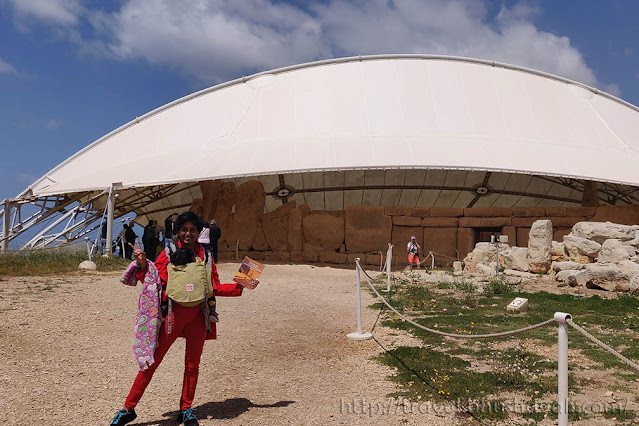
x=219, y=289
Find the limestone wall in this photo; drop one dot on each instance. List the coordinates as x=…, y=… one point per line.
x=297, y=234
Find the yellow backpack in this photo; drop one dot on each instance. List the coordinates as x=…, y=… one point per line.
x=190, y=284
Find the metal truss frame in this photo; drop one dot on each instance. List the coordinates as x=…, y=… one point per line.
x=63, y=219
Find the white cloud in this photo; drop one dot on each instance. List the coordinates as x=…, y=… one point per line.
x=25, y=178
x=5, y=67
x=217, y=40
x=223, y=39
x=58, y=12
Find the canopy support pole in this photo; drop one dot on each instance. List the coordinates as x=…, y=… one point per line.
x=109, y=218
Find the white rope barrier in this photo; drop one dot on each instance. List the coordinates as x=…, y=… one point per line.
x=441, y=333
x=563, y=319
x=602, y=345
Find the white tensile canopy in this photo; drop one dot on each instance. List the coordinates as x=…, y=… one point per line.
x=345, y=119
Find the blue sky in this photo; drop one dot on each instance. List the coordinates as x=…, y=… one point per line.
x=72, y=70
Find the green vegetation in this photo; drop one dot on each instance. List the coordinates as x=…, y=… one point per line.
x=464, y=371
x=53, y=261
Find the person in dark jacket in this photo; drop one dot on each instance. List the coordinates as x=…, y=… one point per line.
x=214, y=235
x=129, y=237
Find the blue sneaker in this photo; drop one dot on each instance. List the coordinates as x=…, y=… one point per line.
x=123, y=417
x=187, y=417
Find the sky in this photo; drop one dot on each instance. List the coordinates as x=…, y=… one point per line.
x=71, y=71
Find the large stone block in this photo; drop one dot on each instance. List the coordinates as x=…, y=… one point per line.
x=522, y=236
x=407, y=221
x=488, y=211
x=277, y=256
x=222, y=216
x=374, y=259
x=602, y=231
x=466, y=239
x=524, y=221
x=211, y=190
x=615, y=251
x=285, y=209
x=197, y=206
x=295, y=233
x=333, y=257
x=555, y=211
x=276, y=232
x=607, y=277
x=249, y=206
x=577, y=247
x=397, y=211
x=446, y=212
x=443, y=242
x=367, y=229
x=440, y=222
x=420, y=212
x=304, y=257
x=564, y=221
x=323, y=230
x=470, y=222
x=560, y=233
x=581, y=211
x=511, y=233
x=260, y=240
x=495, y=222
x=401, y=236
x=516, y=258
x=540, y=246
x=352, y=256
x=242, y=229
x=528, y=211
x=625, y=215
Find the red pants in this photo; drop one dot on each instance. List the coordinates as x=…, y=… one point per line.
x=187, y=323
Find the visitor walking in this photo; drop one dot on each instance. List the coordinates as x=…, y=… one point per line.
x=413, y=253
x=129, y=239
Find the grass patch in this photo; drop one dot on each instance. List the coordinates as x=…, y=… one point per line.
x=446, y=369
x=53, y=261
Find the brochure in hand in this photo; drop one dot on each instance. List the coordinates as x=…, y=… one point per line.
x=249, y=269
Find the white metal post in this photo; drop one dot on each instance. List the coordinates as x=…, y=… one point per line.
x=562, y=350
x=389, y=257
x=432, y=260
x=109, y=218
x=88, y=241
x=5, y=226
x=359, y=335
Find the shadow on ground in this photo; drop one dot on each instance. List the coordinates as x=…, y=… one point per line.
x=227, y=409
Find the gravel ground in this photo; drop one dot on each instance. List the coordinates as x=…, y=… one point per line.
x=282, y=356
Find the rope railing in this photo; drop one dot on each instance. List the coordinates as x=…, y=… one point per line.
x=441, y=333
x=602, y=345
x=561, y=318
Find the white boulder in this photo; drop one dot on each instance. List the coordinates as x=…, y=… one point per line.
x=578, y=279
x=607, y=277
x=579, y=247
x=516, y=258
x=615, y=251
x=540, y=246
x=565, y=266
x=602, y=231
x=88, y=265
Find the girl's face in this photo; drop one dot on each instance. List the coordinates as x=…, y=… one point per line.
x=188, y=234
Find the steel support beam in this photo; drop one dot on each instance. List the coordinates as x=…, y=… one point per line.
x=6, y=222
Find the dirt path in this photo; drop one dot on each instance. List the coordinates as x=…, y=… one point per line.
x=282, y=356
